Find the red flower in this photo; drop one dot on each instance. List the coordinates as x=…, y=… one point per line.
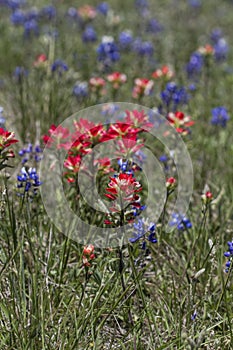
x=6, y=139
x=165, y=72
x=118, y=129
x=170, y=184
x=139, y=119
x=142, y=87
x=124, y=186
x=117, y=79
x=56, y=135
x=206, y=50
x=87, y=12
x=88, y=254
x=180, y=121
x=97, y=85
x=41, y=61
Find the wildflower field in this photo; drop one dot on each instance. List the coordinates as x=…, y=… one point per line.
x=116, y=164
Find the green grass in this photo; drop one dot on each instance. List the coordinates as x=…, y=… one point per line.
x=47, y=299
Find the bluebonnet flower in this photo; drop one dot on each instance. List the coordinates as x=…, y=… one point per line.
x=143, y=48
x=14, y=4
x=103, y=8
x=220, y=116
x=141, y=5
x=128, y=167
x=28, y=180
x=32, y=13
x=20, y=73
x=59, y=66
x=194, y=3
x=195, y=64
x=194, y=315
x=72, y=12
x=229, y=255
x=174, y=96
x=31, y=27
x=153, y=26
x=18, y=17
x=139, y=157
x=221, y=49
x=30, y=153
x=180, y=221
x=215, y=35
x=109, y=110
x=48, y=12
x=192, y=87
x=108, y=51
x=89, y=35
x=125, y=39
x=2, y=119
x=163, y=158
x=143, y=231
x=80, y=89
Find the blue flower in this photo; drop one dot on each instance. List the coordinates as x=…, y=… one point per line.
x=59, y=66
x=14, y=4
x=28, y=180
x=2, y=119
x=221, y=49
x=80, y=89
x=173, y=96
x=141, y=230
x=215, y=35
x=143, y=48
x=108, y=51
x=141, y=5
x=48, y=11
x=31, y=153
x=103, y=8
x=195, y=64
x=18, y=17
x=195, y=3
x=125, y=39
x=153, y=26
x=31, y=27
x=89, y=35
x=180, y=221
x=229, y=254
x=72, y=12
x=20, y=73
x=220, y=116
